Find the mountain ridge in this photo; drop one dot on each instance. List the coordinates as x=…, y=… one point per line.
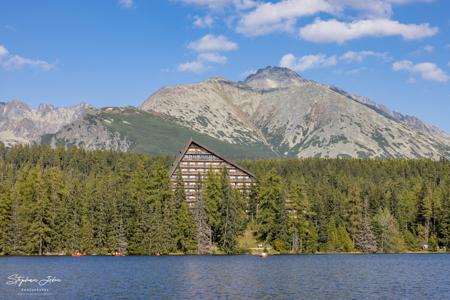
x=275, y=110
x=298, y=117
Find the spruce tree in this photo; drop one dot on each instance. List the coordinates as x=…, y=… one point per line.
x=204, y=231
x=425, y=212
x=304, y=235
x=212, y=198
x=231, y=210
x=271, y=223
x=39, y=213
x=186, y=233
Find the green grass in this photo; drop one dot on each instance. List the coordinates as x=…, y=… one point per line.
x=157, y=135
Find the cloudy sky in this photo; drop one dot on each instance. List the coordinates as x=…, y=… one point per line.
x=118, y=52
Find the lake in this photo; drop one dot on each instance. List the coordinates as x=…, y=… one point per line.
x=401, y=276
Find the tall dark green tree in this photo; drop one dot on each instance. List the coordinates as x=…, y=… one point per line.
x=271, y=218
x=212, y=198
x=232, y=215
x=303, y=232
x=186, y=233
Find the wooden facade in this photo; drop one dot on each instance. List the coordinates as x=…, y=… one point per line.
x=194, y=162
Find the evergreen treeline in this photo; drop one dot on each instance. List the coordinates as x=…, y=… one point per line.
x=60, y=201
x=343, y=205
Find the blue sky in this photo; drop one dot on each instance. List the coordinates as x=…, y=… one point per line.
x=110, y=52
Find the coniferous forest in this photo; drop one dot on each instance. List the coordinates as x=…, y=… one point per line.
x=56, y=201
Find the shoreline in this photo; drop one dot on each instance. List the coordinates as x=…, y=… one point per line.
x=237, y=254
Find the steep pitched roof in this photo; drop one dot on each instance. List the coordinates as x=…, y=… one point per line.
x=192, y=141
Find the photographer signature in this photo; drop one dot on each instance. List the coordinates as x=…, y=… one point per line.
x=16, y=279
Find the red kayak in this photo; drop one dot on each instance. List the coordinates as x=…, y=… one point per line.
x=78, y=254
x=116, y=253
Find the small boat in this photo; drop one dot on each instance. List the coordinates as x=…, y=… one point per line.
x=76, y=254
x=264, y=255
x=117, y=253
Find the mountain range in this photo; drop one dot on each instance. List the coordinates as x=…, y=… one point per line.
x=272, y=113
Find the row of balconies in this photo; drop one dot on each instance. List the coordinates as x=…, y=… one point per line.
x=193, y=178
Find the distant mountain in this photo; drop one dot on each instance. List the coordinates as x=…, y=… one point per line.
x=272, y=113
x=20, y=124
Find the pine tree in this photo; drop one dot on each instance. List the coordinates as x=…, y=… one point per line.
x=139, y=242
x=204, y=232
x=186, y=233
x=333, y=240
x=444, y=224
x=269, y=195
x=40, y=232
x=212, y=201
x=425, y=212
x=231, y=210
x=5, y=216
x=345, y=242
x=304, y=235
x=162, y=208
x=21, y=194
x=353, y=210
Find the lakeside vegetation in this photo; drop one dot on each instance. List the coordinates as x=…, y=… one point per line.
x=60, y=201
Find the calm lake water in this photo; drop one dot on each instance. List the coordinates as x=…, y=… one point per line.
x=407, y=276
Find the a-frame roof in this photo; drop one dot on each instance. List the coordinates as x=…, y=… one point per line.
x=192, y=141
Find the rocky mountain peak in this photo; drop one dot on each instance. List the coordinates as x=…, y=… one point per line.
x=16, y=104
x=273, y=78
x=21, y=124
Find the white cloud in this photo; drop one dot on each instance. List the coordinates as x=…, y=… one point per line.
x=281, y=16
x=203, y=22
x=220, y=4
x=126, y=3
x=270, y=17
x=359, y=56
x=260, y=17
x=212, y=58
x=425, y=49
x=13, y=62
x=207, y=49
x=203, y=62
x=427, y=70
x=340, y=32
x=366, y=8
x=211, y=42
x=16, y=62
x=371, y=8
x=409, y=1
x=3, y=51
x=192, y=66
x=307, y=62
